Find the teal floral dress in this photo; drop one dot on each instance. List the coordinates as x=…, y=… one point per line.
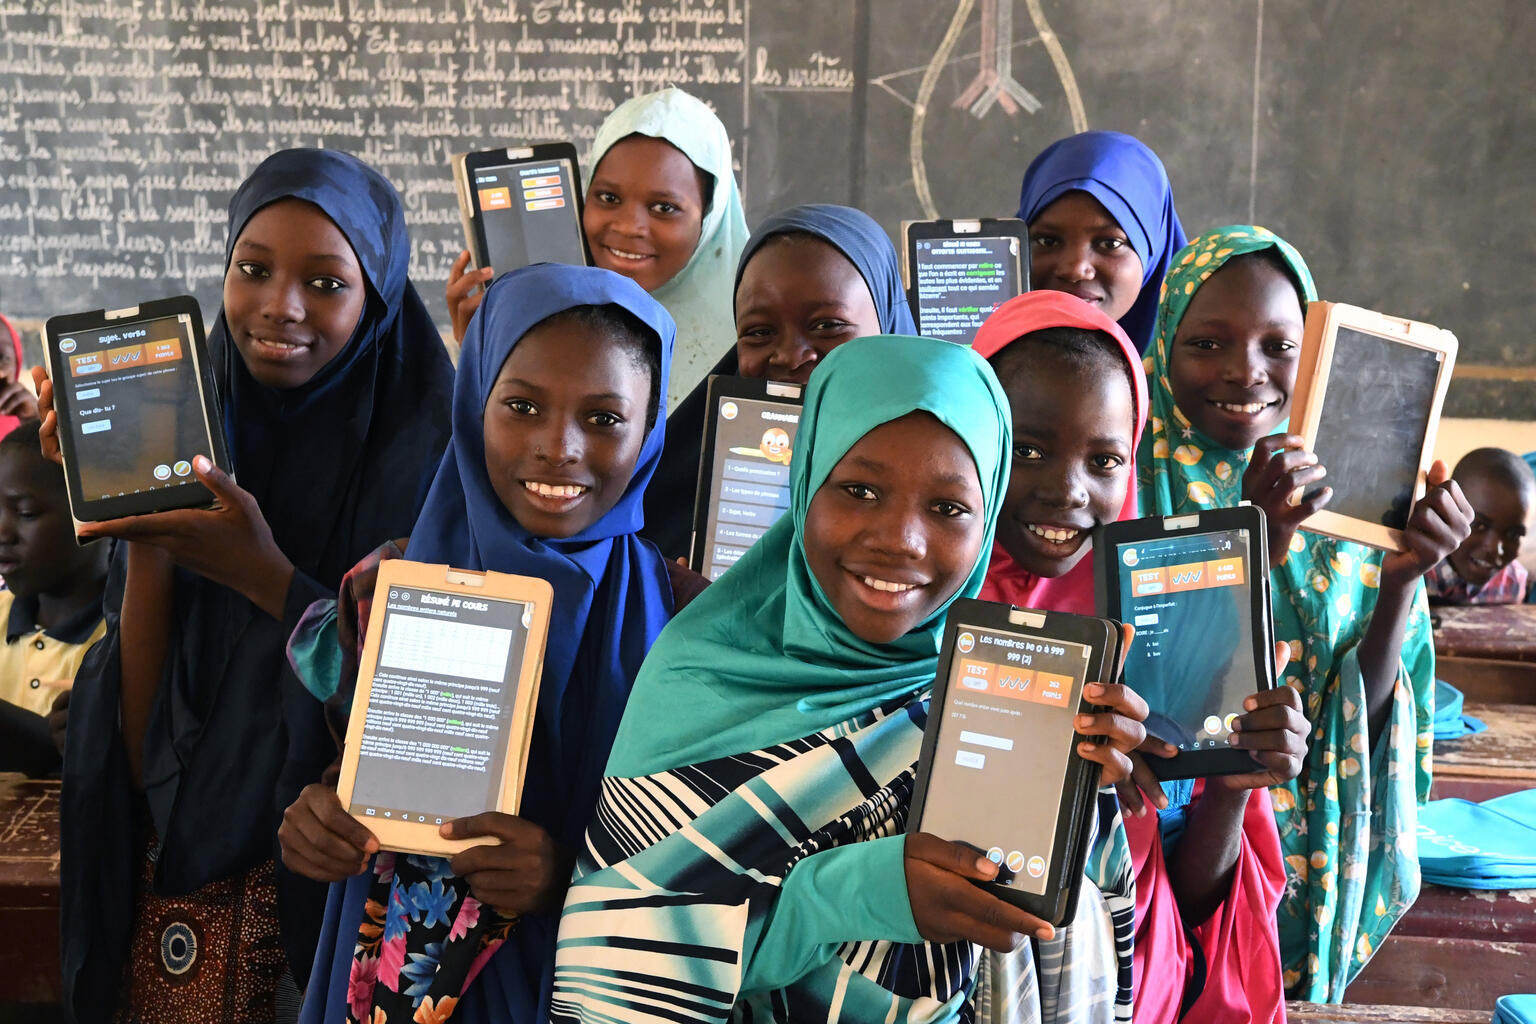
x=1347, y=823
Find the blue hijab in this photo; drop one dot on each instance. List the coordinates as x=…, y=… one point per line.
x=612, y=595
x=669, y=505
x=337, y=465
x=855, y=234
x=1130, y=182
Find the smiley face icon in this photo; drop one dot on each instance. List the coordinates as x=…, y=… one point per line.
x=775, y=445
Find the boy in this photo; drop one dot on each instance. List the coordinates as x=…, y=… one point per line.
x=1502, y=490
x=51, y=607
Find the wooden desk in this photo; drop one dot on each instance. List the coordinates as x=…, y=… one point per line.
x=1489, y=764
x=1488, y=651
x=1357, y=1013
x=29, y=890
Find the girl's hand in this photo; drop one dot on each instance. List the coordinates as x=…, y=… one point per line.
x=1281, y=465
x=1120, y=725
x=320, y=840
x=1274, y=732
x=230, y=544
x=1440, y=521
x=48, y=432
x=465, y=290
x=527, y=873
x=16, y=400
x=58, y=720
x=948, y=908
x=1142, y=786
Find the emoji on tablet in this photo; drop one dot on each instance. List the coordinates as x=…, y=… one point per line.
x=775, y=445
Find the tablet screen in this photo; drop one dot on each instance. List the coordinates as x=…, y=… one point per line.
x=1192, y=660
x=136, y=416
x=749, y=480
x=960, y=281
x=528, y=214
x=1000, y=764
x=435, y=740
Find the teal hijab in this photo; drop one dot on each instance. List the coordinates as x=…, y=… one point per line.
x=762, y=657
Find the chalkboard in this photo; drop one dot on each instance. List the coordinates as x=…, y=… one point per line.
x=126, y=124
x=1371, y=429
x=1369, y=390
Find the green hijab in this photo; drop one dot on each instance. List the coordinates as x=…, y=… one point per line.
x=762, y=657
x=1347, y=823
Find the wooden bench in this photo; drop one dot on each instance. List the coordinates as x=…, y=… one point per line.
x=1489, y=764
x=1356, y=1013
x=29, y=890
x=1488, y=651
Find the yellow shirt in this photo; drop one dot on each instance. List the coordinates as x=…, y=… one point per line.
x=31, y=657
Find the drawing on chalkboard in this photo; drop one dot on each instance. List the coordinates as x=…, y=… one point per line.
x=1368, y=394
x=994, y=81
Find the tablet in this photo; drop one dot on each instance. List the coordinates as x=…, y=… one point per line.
x=521, y=206
x=135, y=399
x=749, y=439
x=446, y=693
x=1375, y=432
x=999, y=769
x=1196, y=588
x=958, y=271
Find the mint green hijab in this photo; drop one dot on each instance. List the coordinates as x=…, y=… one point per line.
x=762, y=657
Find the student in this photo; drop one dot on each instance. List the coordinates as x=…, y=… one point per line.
x=1222, y=372
x=1501, y=489
x=1079, y=399
x=560, y=383
x=746, y=859
x=187, y=735
x=52, y=602
x=812, y=278
x=662, y=208
x=1102, y=225
x=17, y=403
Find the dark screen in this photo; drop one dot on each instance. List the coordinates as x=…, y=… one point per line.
x=136, y=417
x=435, y=740
x=528, y=214
x=1004, y=744
x=1192, y=659
x=960, y=281
x=749, y=481
x=1371, y=431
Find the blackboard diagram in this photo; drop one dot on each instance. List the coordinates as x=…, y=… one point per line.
x=994, y=84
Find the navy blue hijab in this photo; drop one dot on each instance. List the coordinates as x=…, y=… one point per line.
x=1130, y=182
x=337, y=466
x=612, y=596
x=669, y=505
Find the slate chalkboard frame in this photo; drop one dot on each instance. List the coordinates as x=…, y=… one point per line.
x=1324, y=319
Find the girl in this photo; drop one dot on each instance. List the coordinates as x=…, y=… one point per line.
x=746, y=859
x=559, y=387
x=187, y=736
x=1079, y=403
x=16, y=402
x=1355, y=619
x=812, y=278
x=663, y=209
x=1102, y=225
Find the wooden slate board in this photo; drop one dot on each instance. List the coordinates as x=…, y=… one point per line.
x=29, y=889
x=1356, y=1013
x=1504, y=632
x=1506, y=752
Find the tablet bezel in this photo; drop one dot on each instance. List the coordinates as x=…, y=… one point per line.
x=1192, y=764
x=1069, y=848
x=466, y=164
x=719, y=386
x=419, y=837
x=190, y=494
x=914, y=231
x=1314, y=365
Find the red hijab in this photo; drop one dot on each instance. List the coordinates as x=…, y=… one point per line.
x=10, y=423
x=1036, y=311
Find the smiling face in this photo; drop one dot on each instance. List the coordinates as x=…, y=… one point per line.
x=644, y=210
x=799, y=298
x=1232, y=364
x=8, y=368
x=1073, y=429
x=565, y=424
x=896, y=528
x=1076, y=247
x=293, y=293
x=1498, y=528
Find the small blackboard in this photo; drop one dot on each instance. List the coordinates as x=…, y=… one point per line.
x=1368, y=393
